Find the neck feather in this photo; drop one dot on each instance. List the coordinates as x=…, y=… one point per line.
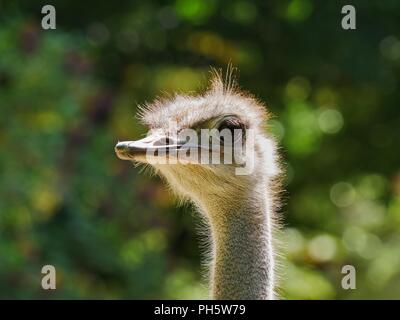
x=242, y=256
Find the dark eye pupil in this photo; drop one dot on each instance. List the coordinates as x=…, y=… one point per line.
x=232, y=125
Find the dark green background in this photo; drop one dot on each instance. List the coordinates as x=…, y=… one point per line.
x=67, y=95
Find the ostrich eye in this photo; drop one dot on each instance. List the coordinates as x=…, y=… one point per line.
x=233, y=125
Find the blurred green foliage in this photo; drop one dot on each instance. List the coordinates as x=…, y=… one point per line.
x=67, y=95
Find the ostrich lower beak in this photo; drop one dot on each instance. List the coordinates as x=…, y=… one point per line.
x=142, y=150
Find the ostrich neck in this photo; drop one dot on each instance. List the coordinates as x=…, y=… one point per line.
x=243, y=259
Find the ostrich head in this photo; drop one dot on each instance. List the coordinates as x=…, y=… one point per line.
x=222, y=110
x=234, y=193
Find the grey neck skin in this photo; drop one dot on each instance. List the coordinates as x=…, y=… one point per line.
x=242, y=257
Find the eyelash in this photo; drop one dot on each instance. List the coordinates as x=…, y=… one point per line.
x=231, y=124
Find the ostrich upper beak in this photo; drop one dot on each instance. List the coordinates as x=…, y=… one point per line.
x=153, y=145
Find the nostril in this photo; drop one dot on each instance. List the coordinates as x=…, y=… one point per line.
x=163, y=142
x=167, y=140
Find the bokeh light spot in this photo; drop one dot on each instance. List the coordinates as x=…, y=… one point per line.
x=299, y=10
x=298, y=88
x=322, y=248
x=343, y=194
x=195, y=10
x=330, y=121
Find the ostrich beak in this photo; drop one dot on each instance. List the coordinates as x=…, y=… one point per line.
x=144, y=149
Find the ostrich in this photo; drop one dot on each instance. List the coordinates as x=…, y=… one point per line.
x=239, y=209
